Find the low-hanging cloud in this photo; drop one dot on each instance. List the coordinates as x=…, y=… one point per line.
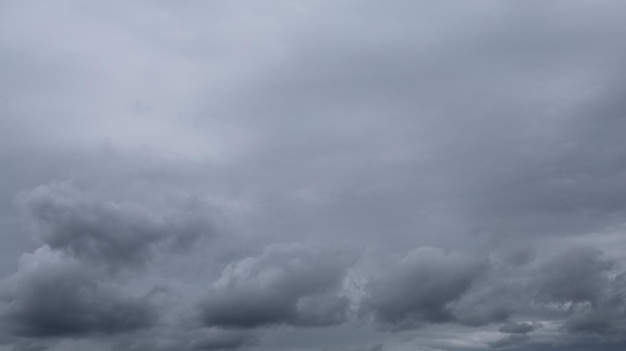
x=420, y=287
x=113, y=234
x=518, y=328
x=469, y=157
x=588, y=287
x=285, y=285
x=204, y=339
x=54, y=296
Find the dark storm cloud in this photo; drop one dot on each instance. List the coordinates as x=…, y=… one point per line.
x=518, y=334
x=578, y=275
x=52, y=296
x=114, y=234
x=490, y=301
x=589, y=287
x=288, y=285
x=518, y=328
x=499, y=292
x=579, y=286
x=420, y=288
x=609, y=319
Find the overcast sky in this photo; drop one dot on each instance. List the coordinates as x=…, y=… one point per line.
x=313, y=175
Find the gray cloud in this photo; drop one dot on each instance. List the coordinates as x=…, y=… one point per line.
x=377, y=347
x=21, y=344
x=222, y=340
x=575, y=276
x=189, y=340
x=510, y=340
x=114, y=234
x=580, y=286
x=289, y=285
x=420, y=288
x=499, y=293
x=590, y=288
x=490, y=131
x=518, y=328
x=51, y=296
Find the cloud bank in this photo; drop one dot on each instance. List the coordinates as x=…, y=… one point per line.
x=312, y=175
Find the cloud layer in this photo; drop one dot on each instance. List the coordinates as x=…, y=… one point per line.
x=312, y=175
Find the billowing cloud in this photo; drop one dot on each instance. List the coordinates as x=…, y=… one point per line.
x=420, y=288
x=53, y=296
x=575, y=276
x=588, y=287
x=285, y=285
x=312, y=175
x=114, y=234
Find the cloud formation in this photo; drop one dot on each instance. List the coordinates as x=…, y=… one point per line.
x=518, y=328
x=189, y=340
x=285, y=285
x=312, y=175
x=420, y=288
x=53, y=296
x=114, y=234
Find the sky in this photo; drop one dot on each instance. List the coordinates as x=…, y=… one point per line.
x=312, y=175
